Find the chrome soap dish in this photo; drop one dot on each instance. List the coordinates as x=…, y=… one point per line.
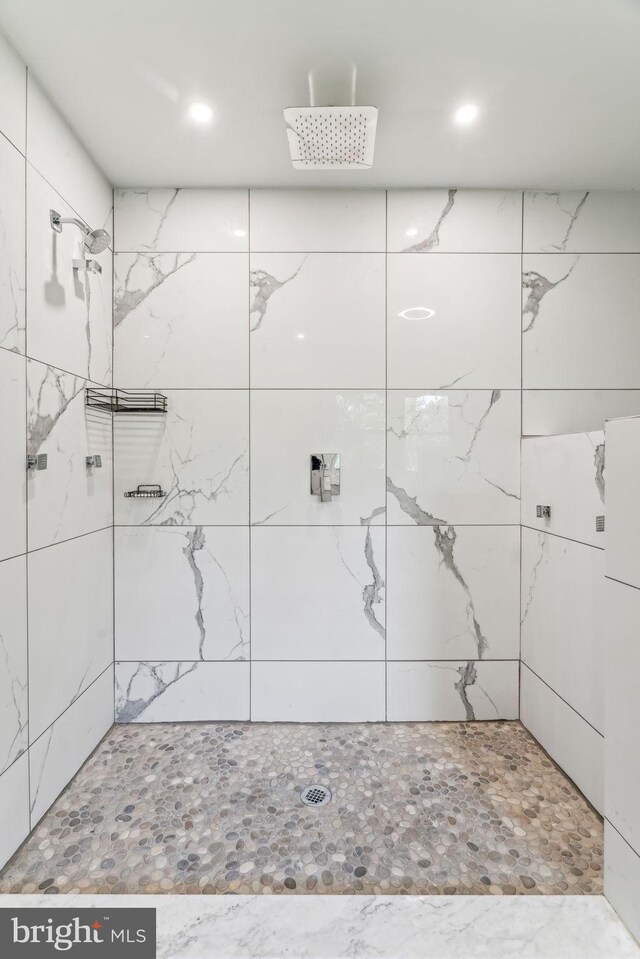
x=146, y=491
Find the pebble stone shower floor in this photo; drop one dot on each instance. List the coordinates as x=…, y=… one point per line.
x=422, y=808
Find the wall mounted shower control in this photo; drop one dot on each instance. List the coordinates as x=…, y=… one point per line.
x=543, y=512
x=325, y=475
x=94, y=460
x=37, y=462
x=87, y=266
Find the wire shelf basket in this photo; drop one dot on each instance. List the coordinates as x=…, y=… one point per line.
x=126, y=401
x=146, y=491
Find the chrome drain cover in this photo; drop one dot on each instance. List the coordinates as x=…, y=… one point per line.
x=315, y=795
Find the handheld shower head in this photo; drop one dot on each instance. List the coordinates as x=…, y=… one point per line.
x=95, y=241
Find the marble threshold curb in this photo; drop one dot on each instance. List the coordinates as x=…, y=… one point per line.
x=365, y=927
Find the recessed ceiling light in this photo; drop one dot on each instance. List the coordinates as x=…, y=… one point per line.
x=417, y=313
x=412, y=231
x=239, y=233
x=200, y=112
x=466, y=113
x=300, y=336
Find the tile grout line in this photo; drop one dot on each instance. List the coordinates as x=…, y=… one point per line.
x=520, y=471
x=565, y=701
x=113, y=455
x=386, y=447
x=26, y=441
x=249, y=474
x=567, y=539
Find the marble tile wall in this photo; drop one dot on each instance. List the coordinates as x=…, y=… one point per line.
x=283, y=323
x=387, y=327
x=622, y=666
x=56, y=539
x=562, y=607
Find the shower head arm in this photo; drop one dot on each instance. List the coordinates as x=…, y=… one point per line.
x=95, y=241
x=56, y=222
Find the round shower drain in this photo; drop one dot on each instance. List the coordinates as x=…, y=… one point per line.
x=315, y=795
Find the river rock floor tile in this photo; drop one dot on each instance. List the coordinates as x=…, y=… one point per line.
x=421, y=808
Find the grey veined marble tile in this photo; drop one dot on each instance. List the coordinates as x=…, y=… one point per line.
x=181, y=320
x=453, y=457
x=454, y=591
x=13, y=475
x=13, y=660
x=293, y=572
x=198, y=453
x=581, y=222
x=12, y=240
x=69, y=498
x=182, y=593
x=70, y=311
x=579, y=321
x=160, y=692
x=317, y=320
x=181, y=220
x=454, y=221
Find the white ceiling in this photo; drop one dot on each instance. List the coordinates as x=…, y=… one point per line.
x=557, y=82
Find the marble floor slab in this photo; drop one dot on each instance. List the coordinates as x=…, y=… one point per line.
x=418, y=808
x=364, y=927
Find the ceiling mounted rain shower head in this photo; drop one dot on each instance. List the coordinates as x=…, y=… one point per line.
x=331, y=137
x=95, y=241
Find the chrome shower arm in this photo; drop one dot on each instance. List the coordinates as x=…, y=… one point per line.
x=56, y=222
x=95, y=241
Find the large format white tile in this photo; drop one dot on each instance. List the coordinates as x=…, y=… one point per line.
x=12, y=240
x=13, y=656
x=622, y=667
x=317, y=320
x=57, y=154
x=579, y=321
x=287, y=426
x=451, y=691
x=454, y=221
x=563, y=616
x=453, y=319
x=198, y=452
x=69, y=498
x=70, y=623
x=622, y=557
x=568, y=222
x=570, y=741
x=70, y=311
x=168, y=692
x=453, y=591
x=294, y=570
x=318, y=221
x=453, y=457
x=317, y=692
x=14, y=803
x=176, y=221
x=566, y=473
x=181, y=320
x=56, y=757
x=574, y=411
x=182, y=593
x=622, y=878
x=13, y=475
x=13, y=105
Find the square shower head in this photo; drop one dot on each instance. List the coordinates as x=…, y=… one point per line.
x=331, y=138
